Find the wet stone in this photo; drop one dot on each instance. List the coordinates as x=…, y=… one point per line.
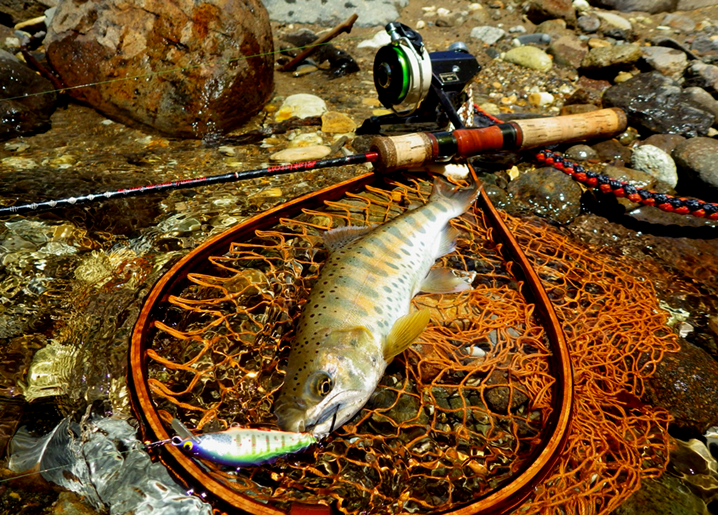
x=685, y=383
x=612, y=151
x=656, y=103
x=697, y=160
x=703, y=99
x=19, y=116
x=655, y=162
x=297, y=154
x=541, y=10
x=335, y=122
x=546, y=192
x=702, y=75
x=95, y=42
x=588, y=91
x=666, y=142
x=581, y=153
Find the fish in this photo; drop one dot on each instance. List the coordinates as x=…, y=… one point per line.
x=358, y=315
x=239, y=447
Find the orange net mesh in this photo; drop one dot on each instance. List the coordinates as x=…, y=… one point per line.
x=463, y=410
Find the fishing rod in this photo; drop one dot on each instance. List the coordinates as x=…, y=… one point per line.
x=395, y=152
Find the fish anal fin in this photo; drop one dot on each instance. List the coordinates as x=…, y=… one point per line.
x=337, y=238
x=404, y=331
x=443, y=280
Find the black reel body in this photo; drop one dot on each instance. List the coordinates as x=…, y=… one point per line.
x=420, y=87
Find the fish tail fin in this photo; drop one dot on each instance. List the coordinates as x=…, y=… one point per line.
x=460, y=198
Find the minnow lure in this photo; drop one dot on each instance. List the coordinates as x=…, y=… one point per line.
x=240, y=447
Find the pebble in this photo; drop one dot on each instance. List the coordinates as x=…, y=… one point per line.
x=704, y=99
x=614, y=20
x=666, y=142
x=337, y=123
x=581, y=153
x=529, y=57
x=702, y=75
x=614, y=55
x=22, y=163
x=301, y=105
x=293, y=155
x=588, y=23
x=655, y=162
x=568, y=51
x=542, y=98
x=668, y=61
x=697, y=159
x=380, y=39
x=487, y=34
x=680, y=22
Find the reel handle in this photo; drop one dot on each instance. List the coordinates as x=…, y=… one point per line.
x=414, y=150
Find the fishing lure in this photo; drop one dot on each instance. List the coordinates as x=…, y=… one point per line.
x=240, y=447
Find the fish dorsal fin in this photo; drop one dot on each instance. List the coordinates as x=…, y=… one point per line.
x=336, y=238
x=404, y=332
x=182, y=430
x=443, y=280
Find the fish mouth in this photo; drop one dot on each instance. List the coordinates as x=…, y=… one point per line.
x=322, y=419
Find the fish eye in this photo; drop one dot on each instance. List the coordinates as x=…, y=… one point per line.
x=322, y=384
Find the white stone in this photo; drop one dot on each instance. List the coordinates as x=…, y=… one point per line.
x=293, y=155
x=487, y=34
x=301, y=105
x=380, y=39
x=655, y=162
x=615, y=20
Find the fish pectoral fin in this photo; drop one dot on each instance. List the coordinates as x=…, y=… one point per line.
x=337, y=238
x=443, y=280
x=404, y=332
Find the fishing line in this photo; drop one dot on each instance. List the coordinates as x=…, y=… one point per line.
x=180, y=69
x=146, y=446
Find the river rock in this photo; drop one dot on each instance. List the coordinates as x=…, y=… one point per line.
x=621, y=56
x=193, y=74
x=650, y=6
x=669, y=61
x=337, y=123
x=697, y=159
x=296, y=154
x=705, y=46
x=588, y=23
x=702, y=98
x=703, y=76
x=371, y=12
x=655, y=162
x=16, y=11
x=529, y=57
x=23, y=115
x=611, y=151
x=685, y=383
x=568, y=51
x=487, y=34
x=666, y=142
x=538, y=11
x=546, y=192
x=581, y=152
x=301, y=105
x=614, y=21
x=657, y=104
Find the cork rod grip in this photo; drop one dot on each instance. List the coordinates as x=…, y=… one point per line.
x=603, y=123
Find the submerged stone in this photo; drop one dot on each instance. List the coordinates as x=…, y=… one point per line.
x=184, y=68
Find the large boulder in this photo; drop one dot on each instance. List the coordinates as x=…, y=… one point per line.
x=183, y=67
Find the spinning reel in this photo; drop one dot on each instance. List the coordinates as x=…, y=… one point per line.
x=419, y=86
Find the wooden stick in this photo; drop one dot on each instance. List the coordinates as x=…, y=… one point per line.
x=345, y=26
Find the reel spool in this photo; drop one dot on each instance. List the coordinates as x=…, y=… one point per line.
x=402, y=69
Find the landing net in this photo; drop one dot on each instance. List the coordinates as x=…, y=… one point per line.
x=461, y=412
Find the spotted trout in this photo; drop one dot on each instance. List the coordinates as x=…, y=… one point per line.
x=359, y=317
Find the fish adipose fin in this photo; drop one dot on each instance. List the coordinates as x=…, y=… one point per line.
x=335, y=239
x=404, y=332
x=443, y=280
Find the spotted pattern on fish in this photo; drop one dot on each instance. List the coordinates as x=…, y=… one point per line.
x=363, y=290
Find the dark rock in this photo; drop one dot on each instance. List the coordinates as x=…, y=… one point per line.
x=205, y=67
x=661, y=496
x=704, y=46
x=657, y=104
x=686, y=384
x=15, y=11
x=538, y=11
x=680, y=22
x=546, y=192
x=611, y=151
x=502, y=398
x=568, y=51
x=554, y=28
x=650, y=6
x=21, y=114
x=666, y=142
x=588, y=91
x=581, y=153
x=701, y=98
x=697, y=160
